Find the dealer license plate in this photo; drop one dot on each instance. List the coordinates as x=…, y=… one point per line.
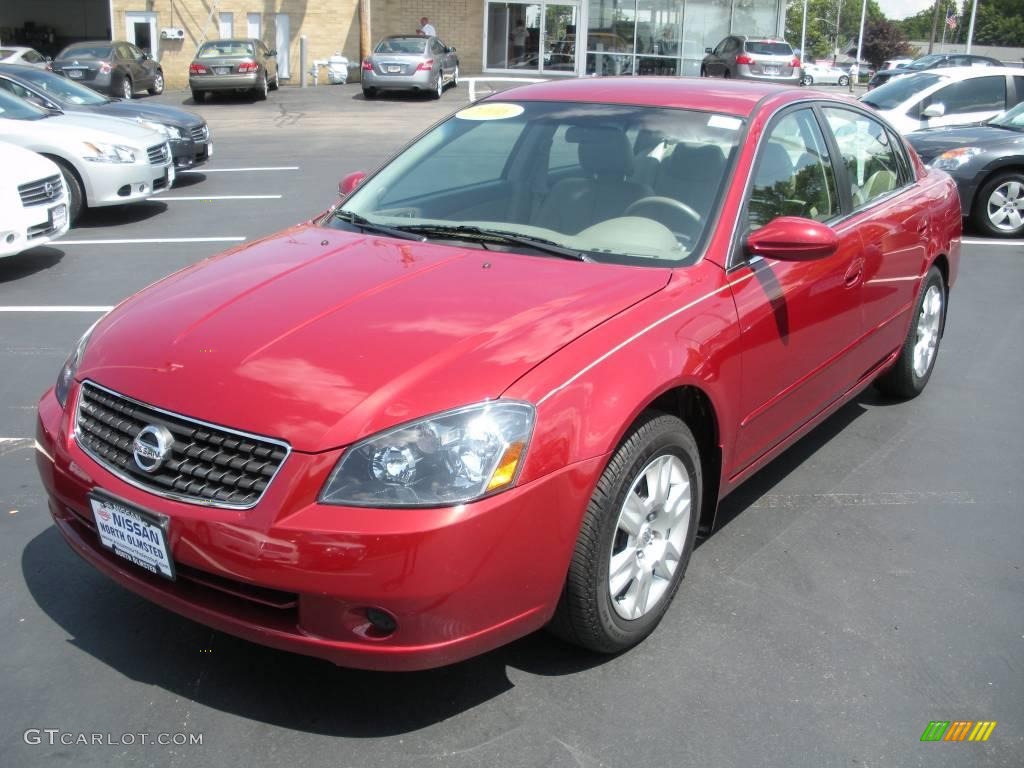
x=222, y=70
x=74, y=74
x=771, y=70
x=139, y=537
x=58, y=216
x=394, y=70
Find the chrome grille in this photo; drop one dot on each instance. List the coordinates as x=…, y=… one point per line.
x=41, y=192
x=159, y=154
x=200, y=133
x=207, y=464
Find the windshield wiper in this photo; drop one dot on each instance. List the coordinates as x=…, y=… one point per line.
x=365, y=224
x=500, y=237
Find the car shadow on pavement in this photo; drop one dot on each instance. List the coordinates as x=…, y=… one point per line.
x=29, y=262
x=114, y=215
x=189, y=179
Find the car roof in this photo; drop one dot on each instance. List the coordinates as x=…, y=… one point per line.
x=966, y=73
x=231, y=40
x=739, y=98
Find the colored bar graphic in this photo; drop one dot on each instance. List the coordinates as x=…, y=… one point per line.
x=958, y=730
x=935, y=730
x=982, y=730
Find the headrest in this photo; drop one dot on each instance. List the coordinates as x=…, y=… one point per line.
x=604, y=151
x=696, y=161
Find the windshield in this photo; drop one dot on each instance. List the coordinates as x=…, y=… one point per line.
x=925, y=62
x=402, y=45
x=898, y=90
x=611, y=183
x=225, y=48
x=87, y=52
x=13, y=108
x=1011, y=118
x=62, y=89
x=768, y=49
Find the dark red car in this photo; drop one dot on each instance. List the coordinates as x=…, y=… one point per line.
x=502, y=384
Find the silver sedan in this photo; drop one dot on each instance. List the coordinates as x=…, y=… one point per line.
x=410, y=63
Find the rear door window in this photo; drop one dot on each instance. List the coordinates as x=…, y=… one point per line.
x=872, y=167
x=979, y=94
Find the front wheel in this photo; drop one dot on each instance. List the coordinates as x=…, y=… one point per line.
x=844, y=81
x=635, y=540
x=999, y=207
x=126, y=88
x=76, y=194
x=275, y=83
x=158, y=84
x=806, y=80
x=914, y=366
x=455, y=77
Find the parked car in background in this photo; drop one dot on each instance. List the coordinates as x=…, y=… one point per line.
x=103, y=160
x=118, y=68
x=556, y=360
x=944, y=97
x=893, y=63
x=931, y=61
x=233, y=65
x=823, y=74
x=410, y=63
x=33, y=200
x=28, y=56
x=987, y=163
x=749, y=58
x=188, y=133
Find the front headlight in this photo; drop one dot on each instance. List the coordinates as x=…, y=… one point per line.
x=67, y=373
x=168, y=131
x=107, y=153
x=955, y=158
x=451, y=458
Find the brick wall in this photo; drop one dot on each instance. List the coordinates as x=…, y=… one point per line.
x=329, y=26
x=459, y=23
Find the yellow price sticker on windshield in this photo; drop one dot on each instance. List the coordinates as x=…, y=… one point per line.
x=496, y=111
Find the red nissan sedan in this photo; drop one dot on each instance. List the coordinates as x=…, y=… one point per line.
x=505, y=380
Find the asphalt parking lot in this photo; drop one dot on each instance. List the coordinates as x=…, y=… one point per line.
x=869, y=581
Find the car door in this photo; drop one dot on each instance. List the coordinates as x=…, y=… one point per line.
x=122, y=62
x=799, y=320
x=973, y=100
x=714, y=63
x=142, y=68
x=893, y=224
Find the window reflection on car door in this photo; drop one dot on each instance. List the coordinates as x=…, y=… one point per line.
x=799, y=321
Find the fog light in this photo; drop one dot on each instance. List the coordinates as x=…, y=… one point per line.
x=383, y=623
x=11, y=237
x=142, y=187
x=124, y=191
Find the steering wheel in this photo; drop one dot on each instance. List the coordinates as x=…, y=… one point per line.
x=675, y=214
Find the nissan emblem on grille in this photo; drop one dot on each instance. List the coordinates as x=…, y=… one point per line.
x=50, y=189
x=151, y=446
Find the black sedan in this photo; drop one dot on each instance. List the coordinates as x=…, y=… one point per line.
x=932, y=61
x=188, y=133
x=119, y=68
x=986, y=161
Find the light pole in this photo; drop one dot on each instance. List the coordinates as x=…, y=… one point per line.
x=860, y=42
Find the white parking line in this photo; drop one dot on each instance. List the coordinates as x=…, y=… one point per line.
x=222, y=197
x=242, y=170
x=57, y=308
x=979, y=241
x=59, y=243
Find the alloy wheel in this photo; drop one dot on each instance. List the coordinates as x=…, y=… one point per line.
x=650, y=537
x=126, y=88
x=929, y=323
x=1006, y=206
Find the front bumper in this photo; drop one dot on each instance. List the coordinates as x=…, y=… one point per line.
x=296, y=575
x=119, y=183
x=188, y=153
x=420, y=80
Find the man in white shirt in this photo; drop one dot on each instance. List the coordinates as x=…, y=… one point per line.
x=426, y=28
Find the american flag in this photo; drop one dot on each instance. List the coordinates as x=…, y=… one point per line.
x=951, y=20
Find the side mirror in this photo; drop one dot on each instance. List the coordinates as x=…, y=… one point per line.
x=708, y=50
x=350, y=182
x=451, y=49
x=791, y=238
x=934, y=110
x=273, y=52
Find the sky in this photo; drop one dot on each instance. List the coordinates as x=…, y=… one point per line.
x=900, y=9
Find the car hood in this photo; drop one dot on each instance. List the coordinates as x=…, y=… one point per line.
x=930, y=143
x=321, y=337
x=158, y=113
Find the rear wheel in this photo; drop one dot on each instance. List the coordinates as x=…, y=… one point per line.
x=198, y=96
x=635, y=540
x=844, y=80
x=261, y=88
x=455, y=77
x=909, y=376
x=703, y=71
x=76, y=193
x=807, y=80
x=369, y=93
x=126, y=88
x=158, y=84
x=999, y=206
x=438, y=91
x=726, y=74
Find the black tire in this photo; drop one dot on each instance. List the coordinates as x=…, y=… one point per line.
x=262, y=87
x=726, y=74
x=438, y=90
x=585, y=614
x=455, y=77
x=807, y=80
x=158, y=84
x=198, y=96
x=369, y=93
x=902, y=380
x=985, y=206
x=127, y=92
x=76, y=193
x=844, y=81
x=276, y=83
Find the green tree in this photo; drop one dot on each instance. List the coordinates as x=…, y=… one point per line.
x=883, y=40
x=821, y=24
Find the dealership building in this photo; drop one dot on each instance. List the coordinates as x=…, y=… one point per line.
x=560, y=37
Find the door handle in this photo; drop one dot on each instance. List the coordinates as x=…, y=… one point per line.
x=922, y=228
x=854, y=273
